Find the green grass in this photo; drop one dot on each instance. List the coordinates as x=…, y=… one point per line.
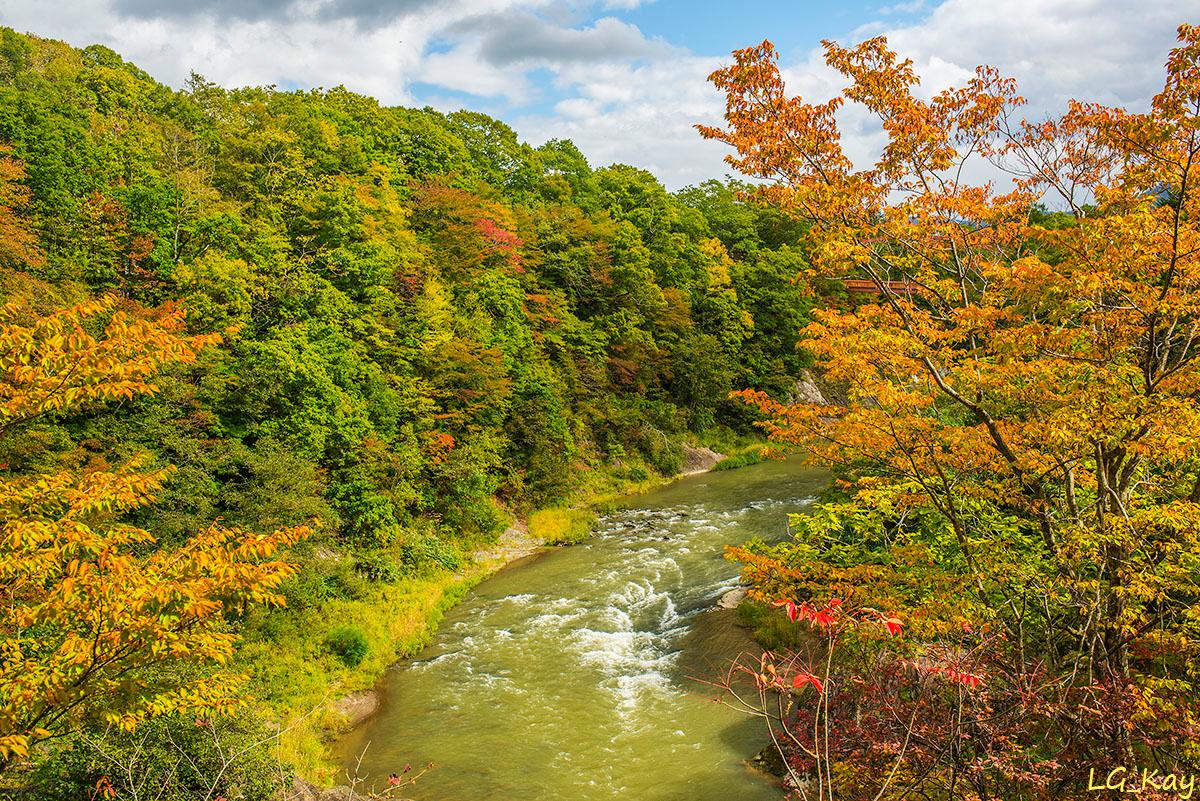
x=773, y=631
x=560, y=525
x=743, y=457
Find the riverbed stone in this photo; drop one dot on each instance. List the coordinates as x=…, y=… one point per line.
x=733, y=598
x=770, y=762
x=306, y=791
x=339, y=793
x=300, y=790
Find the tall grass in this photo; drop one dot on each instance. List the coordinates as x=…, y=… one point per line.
x=560, y=525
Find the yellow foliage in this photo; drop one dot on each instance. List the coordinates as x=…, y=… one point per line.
x=92, y=611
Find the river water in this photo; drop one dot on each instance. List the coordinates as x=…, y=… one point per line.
x=570, y=676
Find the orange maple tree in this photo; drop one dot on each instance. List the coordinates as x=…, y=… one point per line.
x=1021, y=419
x=92, y=614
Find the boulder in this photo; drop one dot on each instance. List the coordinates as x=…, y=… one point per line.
x=807, y=391
x=357, y=706
x=306, y=791
x=699, y=460
x=733, y=598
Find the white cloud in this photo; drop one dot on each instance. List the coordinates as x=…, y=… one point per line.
x=305, y=51
x=462, y=70
x=904, y=8
x=639, y=114
x=1110, y=51
x=522, y=38
x=306, y=47
x=577, y=108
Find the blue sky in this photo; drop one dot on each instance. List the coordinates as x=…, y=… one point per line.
x=624, y=79
x=708, y=27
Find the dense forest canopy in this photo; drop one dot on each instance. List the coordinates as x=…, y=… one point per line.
x=420, y=312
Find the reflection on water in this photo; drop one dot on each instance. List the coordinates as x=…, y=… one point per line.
x=564, y=678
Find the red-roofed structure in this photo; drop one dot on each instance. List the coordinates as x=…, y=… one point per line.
x=865, y=286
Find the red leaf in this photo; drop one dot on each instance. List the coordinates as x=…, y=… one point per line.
x=790, y=608
x=802, y=679
x=893, y=625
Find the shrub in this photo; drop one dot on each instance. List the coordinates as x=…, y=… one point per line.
x=322, y=580
x=665, y=454
x=474, y=518
x=348, y=644
x=181, y=757
x=421, y=553
x=632, y=473
x=378, y=566
x=344, y=582
x=772, y=631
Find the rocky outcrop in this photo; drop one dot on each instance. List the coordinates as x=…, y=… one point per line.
x=515, y=543
x=807, y=391
x=303, y=791
x=699, y=460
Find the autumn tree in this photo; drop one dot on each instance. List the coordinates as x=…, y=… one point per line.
x=96, y=620
x=1020, y=444
x=17, y=242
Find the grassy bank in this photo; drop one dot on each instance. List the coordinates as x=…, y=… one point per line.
x=297, y=676
x=742, y=457
x=561, y=525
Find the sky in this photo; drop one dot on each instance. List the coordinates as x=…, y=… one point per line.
x=624, y=79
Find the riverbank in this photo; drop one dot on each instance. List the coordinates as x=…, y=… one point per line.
x=318, y=698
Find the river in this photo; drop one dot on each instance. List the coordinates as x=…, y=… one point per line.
x=569, y=676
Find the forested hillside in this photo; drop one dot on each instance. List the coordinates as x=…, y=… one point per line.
x=422, y=328
x=420, y=314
